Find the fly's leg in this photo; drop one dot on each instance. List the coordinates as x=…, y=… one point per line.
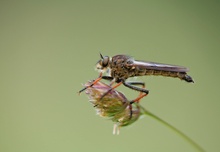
x=130, y=108
x=94, y=82
x=109, y=78
x=143, y=91
x=117, y=85
x=97, y=80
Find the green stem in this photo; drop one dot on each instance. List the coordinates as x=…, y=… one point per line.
x=190, y=141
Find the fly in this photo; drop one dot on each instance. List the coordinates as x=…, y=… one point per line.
x=122, y=67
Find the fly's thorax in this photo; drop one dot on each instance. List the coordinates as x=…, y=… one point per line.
x=120, y=67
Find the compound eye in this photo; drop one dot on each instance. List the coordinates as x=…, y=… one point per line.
x=105, y=61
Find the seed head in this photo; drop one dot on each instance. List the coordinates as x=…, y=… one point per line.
x=113, y=105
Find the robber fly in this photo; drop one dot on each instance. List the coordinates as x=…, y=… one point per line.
x=122, y=67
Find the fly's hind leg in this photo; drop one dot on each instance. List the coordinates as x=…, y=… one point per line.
x=143, y=91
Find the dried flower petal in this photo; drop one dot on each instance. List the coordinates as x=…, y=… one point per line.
x=113, y=105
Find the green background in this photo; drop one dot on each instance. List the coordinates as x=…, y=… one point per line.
x=48, y=49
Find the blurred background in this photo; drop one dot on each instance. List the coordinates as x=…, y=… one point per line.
x=48, y=49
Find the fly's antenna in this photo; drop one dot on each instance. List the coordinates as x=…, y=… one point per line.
x=101, y=56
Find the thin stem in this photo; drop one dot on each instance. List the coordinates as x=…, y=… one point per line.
x=190, y=141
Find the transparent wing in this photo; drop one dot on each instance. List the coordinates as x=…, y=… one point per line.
x=158, y=66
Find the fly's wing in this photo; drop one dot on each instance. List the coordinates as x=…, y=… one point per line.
x=158, y=66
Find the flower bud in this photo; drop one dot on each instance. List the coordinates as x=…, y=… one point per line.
x=113, y=105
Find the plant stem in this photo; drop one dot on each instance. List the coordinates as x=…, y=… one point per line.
x=190, y=141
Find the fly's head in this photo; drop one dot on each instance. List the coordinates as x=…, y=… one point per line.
x=103, y=64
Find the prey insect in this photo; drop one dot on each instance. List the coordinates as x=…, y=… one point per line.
x=122, y=67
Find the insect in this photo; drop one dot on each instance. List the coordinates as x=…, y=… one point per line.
x=122, y=67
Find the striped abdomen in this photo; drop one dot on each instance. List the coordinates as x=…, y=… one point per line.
x=180, y=75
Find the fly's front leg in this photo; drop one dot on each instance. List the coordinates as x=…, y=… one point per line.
x=109, y=78
x=97, y=80
x=143, y=91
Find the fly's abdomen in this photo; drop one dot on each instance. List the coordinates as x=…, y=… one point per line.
x=180, y=75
